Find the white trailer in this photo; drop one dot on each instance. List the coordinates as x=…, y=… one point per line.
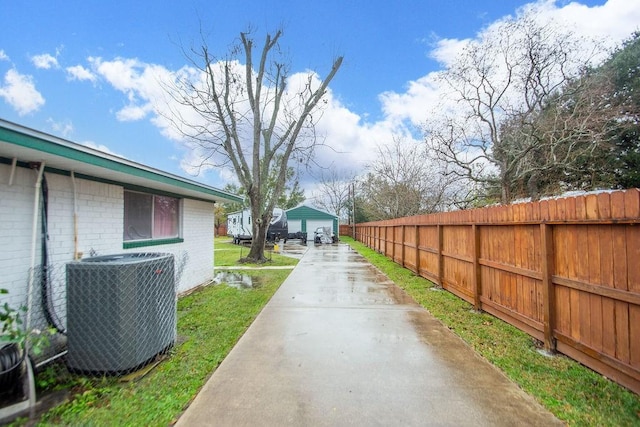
x=239, y=226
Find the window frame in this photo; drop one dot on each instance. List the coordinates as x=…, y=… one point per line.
x=153, y=241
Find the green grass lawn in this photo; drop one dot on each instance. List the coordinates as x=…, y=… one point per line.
x=227, y=254
x=210, y=322
x=574, y=393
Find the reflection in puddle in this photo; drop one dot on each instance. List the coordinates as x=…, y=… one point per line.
x=236, y=280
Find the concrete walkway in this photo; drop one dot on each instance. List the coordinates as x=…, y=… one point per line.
x=341, y=345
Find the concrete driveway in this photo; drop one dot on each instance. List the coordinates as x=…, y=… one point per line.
x=340, y=345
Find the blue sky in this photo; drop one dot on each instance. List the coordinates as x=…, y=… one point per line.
x=80, y=70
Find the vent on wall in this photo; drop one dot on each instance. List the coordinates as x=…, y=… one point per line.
x=121, y=311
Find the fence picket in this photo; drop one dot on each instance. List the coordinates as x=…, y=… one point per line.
x=632, y=203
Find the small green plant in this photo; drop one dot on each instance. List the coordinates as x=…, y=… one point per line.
x=55, y=377
x=14, y=331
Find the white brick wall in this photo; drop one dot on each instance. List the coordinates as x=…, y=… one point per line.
x=197, y=230
x=16, y=216
x=100, y=229
x=99, y=218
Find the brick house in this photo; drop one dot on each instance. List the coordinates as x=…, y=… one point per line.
x=93, y=203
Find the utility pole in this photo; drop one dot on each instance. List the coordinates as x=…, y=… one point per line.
x=352, y=189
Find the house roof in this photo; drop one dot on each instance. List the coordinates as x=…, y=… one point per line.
x=63, y=156
x=306, y=211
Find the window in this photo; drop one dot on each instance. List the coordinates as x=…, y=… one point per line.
x=149, y=216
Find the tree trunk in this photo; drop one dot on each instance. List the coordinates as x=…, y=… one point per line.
x=259, y=228
x=533, y=187
x=505, y=190
x=256, y=254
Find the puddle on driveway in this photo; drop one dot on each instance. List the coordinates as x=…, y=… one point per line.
x=293, y=249
x=338, y=276
x=236, y=280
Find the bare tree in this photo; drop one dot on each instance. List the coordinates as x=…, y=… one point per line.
x=499, y=111
x=255, y=117
x=401, y=181
x=564, y=139
x=332, y=194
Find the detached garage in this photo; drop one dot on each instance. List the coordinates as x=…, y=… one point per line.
x=306, y=219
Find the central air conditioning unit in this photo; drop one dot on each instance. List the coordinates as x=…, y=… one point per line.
x=121, y=311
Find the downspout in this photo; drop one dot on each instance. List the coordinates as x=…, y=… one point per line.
x=14, y=162
x=34, y=238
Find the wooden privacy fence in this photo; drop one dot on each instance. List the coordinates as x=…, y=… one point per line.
x=345, y=230
x=566, y=271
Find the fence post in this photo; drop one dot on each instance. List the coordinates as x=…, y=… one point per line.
x=440, y=257
x=477, y=279
x=393, y=243
x=417, y=249
x=402, y=239
x=546, y=235
x=386, y=239
x=372, y=237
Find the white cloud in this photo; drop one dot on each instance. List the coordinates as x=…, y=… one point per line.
x=44, y=61
x=20, y=92
x=141, y=82
x=3, y=56
x=132, y=113
x=351, y=142
x=121, y=73
x=415, y=103
x=101, y=147
x=447, y=49
x=64, y=128
x=78, y=72
x=610, y=24
x=615, y=20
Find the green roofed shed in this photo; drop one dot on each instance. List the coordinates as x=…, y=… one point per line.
x=307, y=219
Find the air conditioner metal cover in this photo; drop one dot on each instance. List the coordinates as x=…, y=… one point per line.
x=121, y=311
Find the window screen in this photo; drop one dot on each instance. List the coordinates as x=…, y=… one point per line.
x=148, y=216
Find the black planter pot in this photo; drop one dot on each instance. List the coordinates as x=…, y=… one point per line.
x=11, y=357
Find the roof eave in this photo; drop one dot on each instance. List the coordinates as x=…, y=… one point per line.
x=29, y=145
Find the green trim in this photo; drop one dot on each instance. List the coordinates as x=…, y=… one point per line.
x=51, y=145
x=307, y=212
x=126, y=186
x=143, y=243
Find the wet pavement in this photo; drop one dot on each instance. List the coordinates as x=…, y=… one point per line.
x=341, y=345
x=294, y=248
